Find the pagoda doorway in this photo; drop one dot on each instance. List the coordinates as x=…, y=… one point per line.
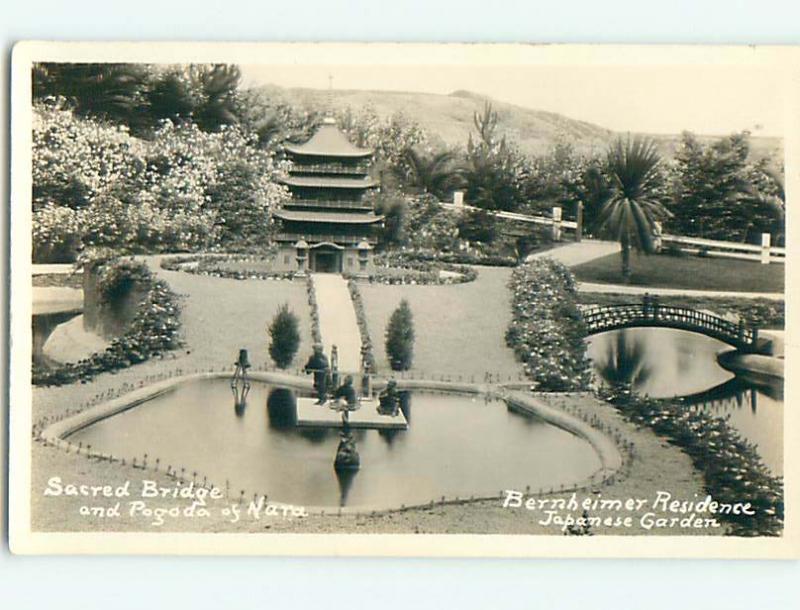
x=326, y=259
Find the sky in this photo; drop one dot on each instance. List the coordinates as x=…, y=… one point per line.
x=710, y=100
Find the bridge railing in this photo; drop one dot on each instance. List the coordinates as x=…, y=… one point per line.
x=652, y=313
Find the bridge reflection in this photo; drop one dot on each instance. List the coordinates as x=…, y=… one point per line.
x=625, y=362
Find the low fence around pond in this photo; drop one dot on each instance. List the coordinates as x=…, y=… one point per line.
x=615, y=450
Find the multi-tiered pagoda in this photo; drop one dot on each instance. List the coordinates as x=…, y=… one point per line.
x=328, y=225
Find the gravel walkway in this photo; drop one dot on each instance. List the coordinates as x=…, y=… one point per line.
x=337, y=320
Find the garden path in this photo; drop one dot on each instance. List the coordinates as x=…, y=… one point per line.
x=337, y=320
x=577, y=253
x=640, y=290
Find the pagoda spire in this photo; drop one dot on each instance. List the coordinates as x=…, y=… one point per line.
x=329, y=112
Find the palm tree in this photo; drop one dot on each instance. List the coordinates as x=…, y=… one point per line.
x=436, y=174
x=632, y=209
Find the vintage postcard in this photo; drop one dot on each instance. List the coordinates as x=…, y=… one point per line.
x=386, y=299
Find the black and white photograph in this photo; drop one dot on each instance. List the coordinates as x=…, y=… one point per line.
x=372, y=299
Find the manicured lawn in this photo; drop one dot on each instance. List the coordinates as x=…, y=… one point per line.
x=692, y=273
x=460, y=329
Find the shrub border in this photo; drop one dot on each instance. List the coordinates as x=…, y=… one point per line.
x=367, y=351
x=732, y=469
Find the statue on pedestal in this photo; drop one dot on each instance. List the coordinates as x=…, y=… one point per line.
x=318, y=365
x=389, y=399
x=345, y=400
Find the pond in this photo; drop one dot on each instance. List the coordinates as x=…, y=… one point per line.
x=665, y=363
x=454, y=446
x=43, y=326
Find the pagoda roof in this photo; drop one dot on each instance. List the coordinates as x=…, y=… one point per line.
x=328, y=141
x=330, y=217
x=327, y=182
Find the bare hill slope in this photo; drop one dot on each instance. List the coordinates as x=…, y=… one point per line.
x=449, y=118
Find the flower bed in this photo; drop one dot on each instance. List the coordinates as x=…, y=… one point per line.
x=361, y=318
x=396, y=268
x=316, y=334
x=215, y=266
x=547, y=330
x=732, y=469
x=153, y=331
x=459, y=258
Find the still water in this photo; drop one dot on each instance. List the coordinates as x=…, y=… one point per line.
x=454, y=446
x=664, y=363
x=43, y=326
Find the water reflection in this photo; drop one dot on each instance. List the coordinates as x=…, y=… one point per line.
x=282, y=409
x=667, y=363
x=263, y=453
x=624, y=362
x=43, y=326
x=345, y=478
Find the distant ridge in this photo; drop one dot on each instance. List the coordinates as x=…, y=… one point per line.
x=448, y=118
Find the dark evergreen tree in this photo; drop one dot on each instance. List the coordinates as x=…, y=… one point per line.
x=400, y=338
x=219, y=84
x=112, y=91
x=284, y=337
x=720, y=194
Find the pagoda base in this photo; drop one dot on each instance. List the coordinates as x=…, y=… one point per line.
x=324, y=258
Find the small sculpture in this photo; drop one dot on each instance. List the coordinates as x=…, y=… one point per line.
x=318, y=365
x=240, y=382
x=347, y=457
x=389, y=400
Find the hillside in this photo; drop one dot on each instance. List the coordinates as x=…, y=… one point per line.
x=449, y=118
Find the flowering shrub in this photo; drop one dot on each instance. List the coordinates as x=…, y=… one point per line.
x=732, y=469
x=547, y=330
x=153, y=331
x=428, y=225
x=57, y=232
x=76, y=160
x=183, y=189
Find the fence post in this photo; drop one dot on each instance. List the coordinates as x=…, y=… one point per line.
x=765, y=248
x=556, y=223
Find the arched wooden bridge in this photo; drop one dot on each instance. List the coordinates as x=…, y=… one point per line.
x=650, y=313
